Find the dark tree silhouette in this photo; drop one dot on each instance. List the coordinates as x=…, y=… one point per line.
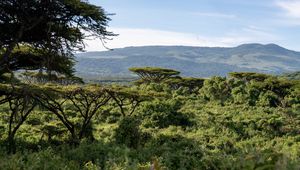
x=56, y=26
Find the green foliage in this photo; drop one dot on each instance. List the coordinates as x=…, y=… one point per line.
x=129, y=133
x=193, y=84
x=163, y=114
x=153, y=74
x=46, y=159
x=265, y=159
x=127, y=99
x=216, y=89
x=26, y=57
x=188, y=157
x=42, y=78
x=229, y=123
x=292, y=76
x=248, y=76
x=54, y=30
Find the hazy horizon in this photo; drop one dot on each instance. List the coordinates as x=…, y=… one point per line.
x=101, y=50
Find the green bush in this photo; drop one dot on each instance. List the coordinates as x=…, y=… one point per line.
x=129, y=133
x=163, y=114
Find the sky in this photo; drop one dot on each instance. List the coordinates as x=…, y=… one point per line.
x=209, y=23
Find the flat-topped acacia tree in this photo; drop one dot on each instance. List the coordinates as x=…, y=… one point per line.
x=153, y=74
x=248, y=76
x=128, y=99
x=85, y=101
x=193, y=84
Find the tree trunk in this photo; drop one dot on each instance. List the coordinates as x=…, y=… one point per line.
x=11, y=144
x=86, y=131
x=75, y=141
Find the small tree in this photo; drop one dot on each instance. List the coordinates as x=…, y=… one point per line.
x=21, y=103
x=86, y=101
x=153, y=74
x=128, y=99
x=216, y=89
x=274, y=89
x=193, y=84
x=248, y=76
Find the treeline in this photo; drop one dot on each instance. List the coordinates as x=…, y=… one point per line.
x=164, y=120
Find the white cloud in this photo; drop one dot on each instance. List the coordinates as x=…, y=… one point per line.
x=291, y=7
x=142, y=37
x=290, y=13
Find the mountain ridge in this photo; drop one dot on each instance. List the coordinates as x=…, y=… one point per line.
x=190, y=60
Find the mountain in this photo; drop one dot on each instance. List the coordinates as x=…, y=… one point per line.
x=191, y=61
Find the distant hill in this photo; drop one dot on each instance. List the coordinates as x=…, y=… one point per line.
x=191, y=61
x=292, y=76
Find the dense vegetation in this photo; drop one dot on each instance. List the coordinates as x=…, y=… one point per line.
x=292, y=76
x=245, y=121
x=50, y=119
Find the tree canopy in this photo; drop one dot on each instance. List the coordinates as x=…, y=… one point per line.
x=128, y=99
x=28, y=58
x=248, y=76
x=58, y=27
x=154, y=74
x=189, y=82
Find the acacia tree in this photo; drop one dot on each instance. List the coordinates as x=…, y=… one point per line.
x=53, y=25
x=128, y=99
x=193, y=84
x=86, y=101
x=248, y=76
x=21, y=103
x=153, y=74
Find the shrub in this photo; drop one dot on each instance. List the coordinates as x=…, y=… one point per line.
x=129, y=133
x=163, y=114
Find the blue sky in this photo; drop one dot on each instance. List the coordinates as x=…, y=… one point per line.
x=211, y=23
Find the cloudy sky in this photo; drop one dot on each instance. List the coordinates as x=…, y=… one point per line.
x=210, y=23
